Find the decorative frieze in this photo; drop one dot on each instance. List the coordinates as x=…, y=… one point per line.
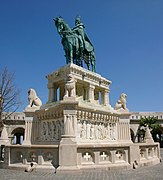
x=51, y=130
x=90, y=130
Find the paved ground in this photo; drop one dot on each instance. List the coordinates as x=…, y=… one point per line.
x=144, y=173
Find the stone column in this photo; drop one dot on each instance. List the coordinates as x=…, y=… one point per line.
x=51, y=92
x=105, y=95
x=91, y=93
x=28, y=127
x=62, y=90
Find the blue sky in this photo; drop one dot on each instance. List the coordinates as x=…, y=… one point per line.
x=127, y=36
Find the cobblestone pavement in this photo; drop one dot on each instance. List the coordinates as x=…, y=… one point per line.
x=143, y=173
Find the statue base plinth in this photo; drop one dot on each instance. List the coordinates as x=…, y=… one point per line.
x=31, y=109
x=69, y=98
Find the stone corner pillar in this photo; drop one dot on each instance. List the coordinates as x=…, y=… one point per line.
x=124, y=127
x=134, y=155
x=29, y=117
x=68, y=153
x=68, y=145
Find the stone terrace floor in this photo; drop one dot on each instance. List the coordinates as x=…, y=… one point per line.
x=144, y=173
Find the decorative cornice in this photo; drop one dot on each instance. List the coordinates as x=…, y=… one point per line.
x=79, y=73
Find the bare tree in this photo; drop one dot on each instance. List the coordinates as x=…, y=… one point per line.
x=9, y=95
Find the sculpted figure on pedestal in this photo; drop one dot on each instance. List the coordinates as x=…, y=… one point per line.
x=121, y=103
x=84, y=128
x=92, y=131
x=79, y=130
x=44, y=131
x=76, y=43
x=33, y=98
x=70, y=87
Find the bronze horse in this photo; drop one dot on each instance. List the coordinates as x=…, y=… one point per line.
x=71, y=44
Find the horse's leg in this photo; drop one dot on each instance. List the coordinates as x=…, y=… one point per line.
x=88, y=62
x=81, y=61
x=94, y=65
x=88, y=65
x=71, y=54
x=67, y=56
x=94, y=62
x=67, y=60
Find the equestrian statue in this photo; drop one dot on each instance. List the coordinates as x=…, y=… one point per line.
x=76, y=43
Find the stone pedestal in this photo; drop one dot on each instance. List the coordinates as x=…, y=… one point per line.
x=134, y=156
x=123, y=127
x=67, y=154
x=78, y=128
x=68, y=145
x=30, y=115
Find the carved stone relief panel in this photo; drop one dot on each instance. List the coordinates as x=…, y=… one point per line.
x=90, y=130
x=51, y=130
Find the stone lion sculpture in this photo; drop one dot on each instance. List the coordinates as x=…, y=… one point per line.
x=70, y=87
x=121, y=103
x=33, y=98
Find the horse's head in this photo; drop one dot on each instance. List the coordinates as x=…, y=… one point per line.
x=62, y=27
x=59, y=24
